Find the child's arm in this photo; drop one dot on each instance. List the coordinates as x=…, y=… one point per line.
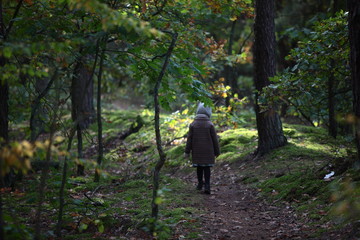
x=188, y=147
x=215, y=141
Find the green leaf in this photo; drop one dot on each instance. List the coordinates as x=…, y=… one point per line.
x=101, y=228
x=158, y=200
x=83, y=227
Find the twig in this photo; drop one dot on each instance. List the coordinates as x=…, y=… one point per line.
x=95, y=203
x=8, y=29
x=177, y=138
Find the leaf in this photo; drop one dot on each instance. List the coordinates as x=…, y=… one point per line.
x=158, y=200
x=101, y=228
x=83, y=227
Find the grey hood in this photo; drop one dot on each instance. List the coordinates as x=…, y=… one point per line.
x=201, y=109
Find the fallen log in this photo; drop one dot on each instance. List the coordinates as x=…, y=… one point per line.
x=135, y=127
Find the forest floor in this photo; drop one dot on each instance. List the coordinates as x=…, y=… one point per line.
x=237, y=211
x=280, y=196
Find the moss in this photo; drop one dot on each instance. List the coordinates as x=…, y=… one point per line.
x=249, y=180
x=229, y=148
x=298, y=186
x=175, y=155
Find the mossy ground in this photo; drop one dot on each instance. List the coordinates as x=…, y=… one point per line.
x=122, y=199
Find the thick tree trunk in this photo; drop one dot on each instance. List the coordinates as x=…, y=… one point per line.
x=268, y=122
x=82, y=101
x=4, y=97
x=354, y=37
x=82, y=92
x=38, y=115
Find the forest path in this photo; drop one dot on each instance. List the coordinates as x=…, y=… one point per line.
x=236, y=211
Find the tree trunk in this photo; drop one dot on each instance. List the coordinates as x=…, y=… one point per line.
x=82, y=92
x=268, y=122
x=160, y=163
x=99, y=122
x=80, y=166
x=4, y=88
x=4, y=97
x=45, y=170
x=331, y=105
x=229, y=76
x=38, y=116
x=4, y=107
x=63, y=183
x=82, y=101
x=354, y=37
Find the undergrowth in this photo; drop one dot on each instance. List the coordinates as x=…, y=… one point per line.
x=122, y=200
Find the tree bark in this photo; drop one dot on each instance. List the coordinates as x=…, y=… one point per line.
x=82, y=85
x=229, y=76
x=4, y=107
x=82, y=94
x=160, y=163
x=80, y=166
x=331, y=104
x=37, y=114
x=63, y=183
x=99, y=122
x=268, y=122
x=45, y=170
x=4, y=97
x=354, y=37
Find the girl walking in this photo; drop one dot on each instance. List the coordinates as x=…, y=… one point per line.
x=203, y=144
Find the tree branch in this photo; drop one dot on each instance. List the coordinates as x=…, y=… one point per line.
x=7, y=31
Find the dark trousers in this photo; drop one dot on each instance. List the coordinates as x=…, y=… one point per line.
x=203, y=171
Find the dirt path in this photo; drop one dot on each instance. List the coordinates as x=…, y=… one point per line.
x=235, y=211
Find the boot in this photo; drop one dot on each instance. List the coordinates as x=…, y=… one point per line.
x=207, y=189
x=199, y=186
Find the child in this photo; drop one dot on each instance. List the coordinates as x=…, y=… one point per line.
x=203, y=144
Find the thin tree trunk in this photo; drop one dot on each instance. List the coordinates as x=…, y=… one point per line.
x=160, y=163
x=63, y=183
x=80, y=166
x=229, y=76
x=268, y=122
x=45, y=170
x=99, y=122
x=331, y=105
x=354, y=37
x=43, y=178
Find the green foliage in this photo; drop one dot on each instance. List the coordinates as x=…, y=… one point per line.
x=14, y=230
x=345, y=195
x=322, y=53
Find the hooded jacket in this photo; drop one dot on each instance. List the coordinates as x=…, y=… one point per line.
x=202, y=141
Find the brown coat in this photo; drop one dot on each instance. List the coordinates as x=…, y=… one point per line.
x=202, y=141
